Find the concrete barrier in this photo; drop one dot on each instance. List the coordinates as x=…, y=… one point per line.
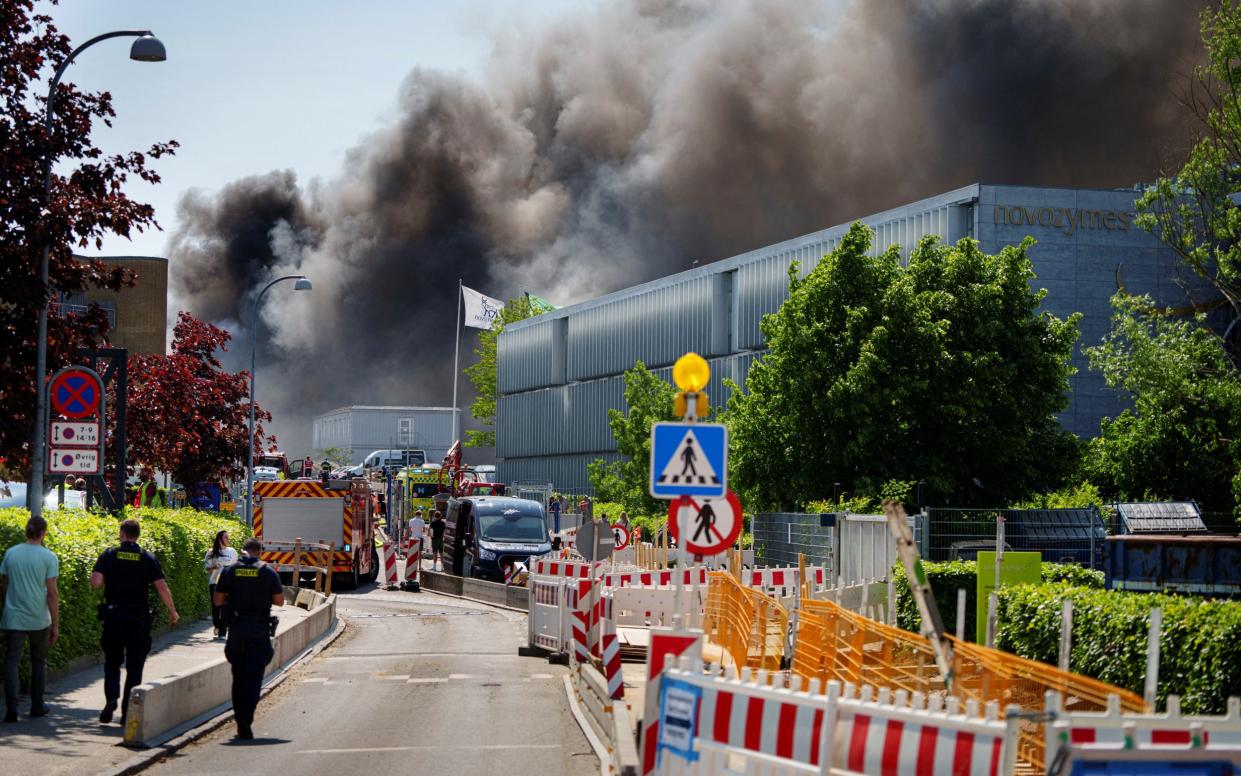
x=477, y=590
x=169, y=705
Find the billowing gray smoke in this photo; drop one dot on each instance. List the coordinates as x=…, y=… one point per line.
x=626, y=140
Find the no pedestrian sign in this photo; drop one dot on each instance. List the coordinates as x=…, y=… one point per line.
x=689, y=459
x=711, y=524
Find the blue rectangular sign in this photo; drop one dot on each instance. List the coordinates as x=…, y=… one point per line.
x=689, y=459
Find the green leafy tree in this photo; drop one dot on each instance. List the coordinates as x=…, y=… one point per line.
x=1192, y=211
x=1182, y=438
x=942, y=370
x=648, y=400
x=339, y=456
x=482, y=373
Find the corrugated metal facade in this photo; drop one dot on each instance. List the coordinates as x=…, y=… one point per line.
x=362, y=429
x=559, y=373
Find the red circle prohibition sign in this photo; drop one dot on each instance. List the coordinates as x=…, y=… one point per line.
x=76, y=393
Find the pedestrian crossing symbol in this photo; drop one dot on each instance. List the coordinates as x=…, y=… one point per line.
x=689, y=459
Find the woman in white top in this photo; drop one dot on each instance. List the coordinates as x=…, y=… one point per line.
x=218, y=558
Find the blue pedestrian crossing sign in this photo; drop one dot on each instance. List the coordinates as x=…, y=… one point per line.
x=689, y=459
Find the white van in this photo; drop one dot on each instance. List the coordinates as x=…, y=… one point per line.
x=382, y=459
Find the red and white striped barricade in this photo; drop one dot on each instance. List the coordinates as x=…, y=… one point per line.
x=740, y=726
x=413, y=561
x=612, y=662
x=547, y=622
x=666, y=646
x=1116, y=729
x=391, y=575
x=696, y=575
x=782, y=582
x=640, y=606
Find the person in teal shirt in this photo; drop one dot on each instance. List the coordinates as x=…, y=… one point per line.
x=28, y=575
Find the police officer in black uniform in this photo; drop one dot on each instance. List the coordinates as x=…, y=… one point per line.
x=248, y=590
x=127, y=573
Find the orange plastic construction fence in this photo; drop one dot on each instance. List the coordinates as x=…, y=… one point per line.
x=835, y=643
x=749, y=626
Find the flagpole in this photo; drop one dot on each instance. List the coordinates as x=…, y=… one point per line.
x=456, y=359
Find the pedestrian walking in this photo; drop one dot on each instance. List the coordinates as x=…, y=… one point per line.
x=219, y=557
x=28, y=574
x=127, y=573
x=437, y=540
x=249, y=589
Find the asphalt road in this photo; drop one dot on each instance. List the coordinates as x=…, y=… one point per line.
x=419, y=683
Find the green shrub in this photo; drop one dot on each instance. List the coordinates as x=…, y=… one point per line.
x=179, y=538
x=1199, y=648
x=947, y=577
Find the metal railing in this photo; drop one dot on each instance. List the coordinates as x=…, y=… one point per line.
x=1224, y=523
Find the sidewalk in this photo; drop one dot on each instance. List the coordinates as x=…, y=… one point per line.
x=71, y=740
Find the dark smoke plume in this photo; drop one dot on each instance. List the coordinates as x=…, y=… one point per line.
x=621, y=142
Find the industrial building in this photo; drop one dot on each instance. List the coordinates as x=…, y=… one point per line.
x=362, y=429
x=137, y=314
x=560, y=372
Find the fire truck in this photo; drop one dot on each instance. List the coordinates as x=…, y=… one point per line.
x=342, y=513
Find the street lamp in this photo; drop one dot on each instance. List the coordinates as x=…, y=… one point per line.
x=147, y=48
x=302, y=284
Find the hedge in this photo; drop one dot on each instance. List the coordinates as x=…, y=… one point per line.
x=949, y=576
x=1199, y=646
x=178, y=537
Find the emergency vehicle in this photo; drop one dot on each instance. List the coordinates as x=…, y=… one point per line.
x=342, y=513
x=419, y=485
x=461, y=481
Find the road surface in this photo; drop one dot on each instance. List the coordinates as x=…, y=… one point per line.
x=419, y=683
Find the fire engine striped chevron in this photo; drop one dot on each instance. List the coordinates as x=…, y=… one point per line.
x=612, y=666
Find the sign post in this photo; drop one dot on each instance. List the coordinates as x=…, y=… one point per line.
x=76, y=445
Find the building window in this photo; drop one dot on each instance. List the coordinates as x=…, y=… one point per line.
x=405, y=432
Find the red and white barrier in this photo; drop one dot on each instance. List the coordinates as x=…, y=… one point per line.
x=509, y=571
x=391, y=577
x=663, y=577
x=740, y=726
x=612, y=666
x=1110, y=728
x=562, y=568
x=413, y=561
x=581, y=636
x=549, y=621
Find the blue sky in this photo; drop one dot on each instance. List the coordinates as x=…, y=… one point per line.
x=269, y=84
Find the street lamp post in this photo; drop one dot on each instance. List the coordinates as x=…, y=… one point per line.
x=147, y=48
x=302, y=284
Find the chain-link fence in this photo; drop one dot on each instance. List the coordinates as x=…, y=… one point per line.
x=779, y=537
x=1060, y=535
x=1224, y=523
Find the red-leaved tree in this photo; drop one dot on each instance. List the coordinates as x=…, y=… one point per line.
x=186, y=414
x=87, y=202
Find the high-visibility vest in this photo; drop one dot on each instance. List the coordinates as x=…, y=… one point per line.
x=148, y=495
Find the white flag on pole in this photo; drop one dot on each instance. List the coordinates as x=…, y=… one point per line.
x=480, y=309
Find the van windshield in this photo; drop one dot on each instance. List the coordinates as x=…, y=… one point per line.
x=512, y=527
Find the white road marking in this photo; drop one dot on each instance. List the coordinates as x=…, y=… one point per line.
x=460, y=676
x=314, y=679
x=469, y=747
x=395, y=677
x=427, y=680
x=540, y=676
